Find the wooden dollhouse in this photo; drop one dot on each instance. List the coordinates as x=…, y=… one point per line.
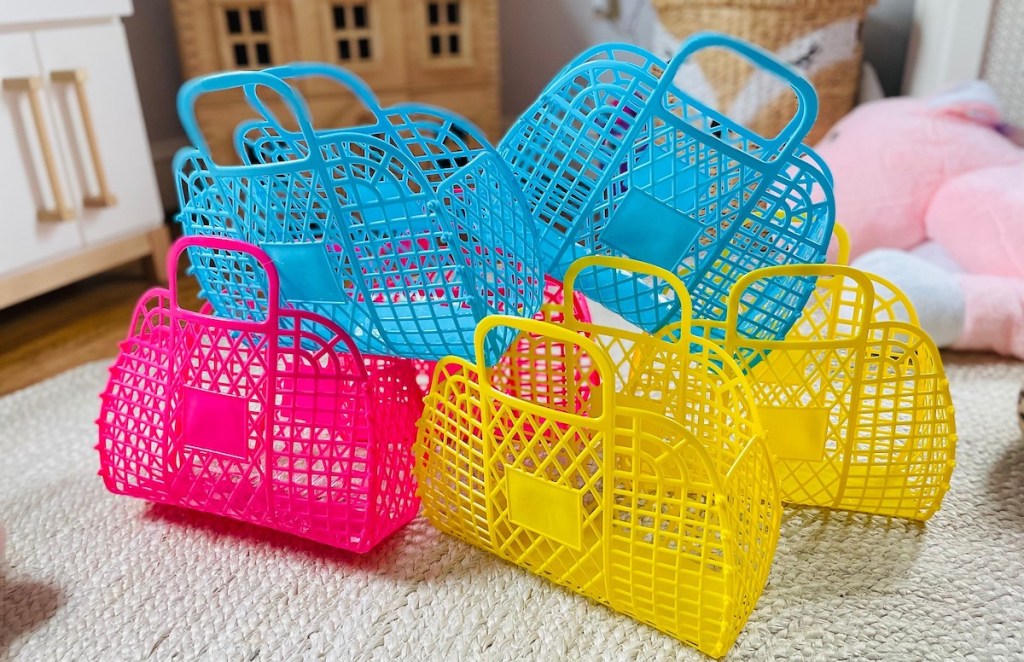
x=441, y=52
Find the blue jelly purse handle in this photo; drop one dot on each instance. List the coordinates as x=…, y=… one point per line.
x=339, y=75
x=807, y=99
x=247, y=81
x=820, y=164
x=343, y=77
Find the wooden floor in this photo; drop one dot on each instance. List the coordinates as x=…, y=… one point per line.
x=71, y=326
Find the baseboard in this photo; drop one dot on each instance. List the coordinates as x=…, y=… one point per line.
x=63, y=270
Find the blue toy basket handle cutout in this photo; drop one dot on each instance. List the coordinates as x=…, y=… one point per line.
x=302, y=71
x=818, y=163
x=343, y=77
x=807, y=100
x=248, y=82
x=339, y=75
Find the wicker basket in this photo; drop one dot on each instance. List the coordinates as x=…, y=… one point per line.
x=822, y=38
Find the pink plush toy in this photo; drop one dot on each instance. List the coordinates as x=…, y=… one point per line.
x=932, y=194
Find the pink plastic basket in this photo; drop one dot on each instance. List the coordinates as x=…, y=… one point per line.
x=551, y=311
x=260, y=420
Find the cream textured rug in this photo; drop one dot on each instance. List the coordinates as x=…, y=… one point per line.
x=96, y=576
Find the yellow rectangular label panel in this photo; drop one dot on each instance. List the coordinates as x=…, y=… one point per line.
x=554, y=511
x=795, y=433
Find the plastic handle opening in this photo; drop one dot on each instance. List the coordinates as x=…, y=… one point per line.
x=224, y=244
x=807, y=100
x=602, y=364
x=247, y=82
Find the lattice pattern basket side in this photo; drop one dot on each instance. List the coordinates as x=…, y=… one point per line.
x=405, y=231
x=615, y=160
x=260, y=420
x=134, y=413
x=855, y=402
x=602, y=491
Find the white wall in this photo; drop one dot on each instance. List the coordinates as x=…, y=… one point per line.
x=539, y=36
x=154, y=50
x=947, y=44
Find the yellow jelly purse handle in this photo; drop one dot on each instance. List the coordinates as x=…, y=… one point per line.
x=733, y=339
x=843, y=244
x=897, y=296
x=602, y=366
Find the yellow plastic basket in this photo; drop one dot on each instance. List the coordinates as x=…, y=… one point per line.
x=640, y=479
x=854, y=402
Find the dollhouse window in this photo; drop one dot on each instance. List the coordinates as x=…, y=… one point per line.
x=352, y=31
x=446, y=29
x=248, y=35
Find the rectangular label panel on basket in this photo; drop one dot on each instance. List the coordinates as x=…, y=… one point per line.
x=215, y=422
x=305, y=271
x=795, y=433
x=554, y=511
x=648, y=230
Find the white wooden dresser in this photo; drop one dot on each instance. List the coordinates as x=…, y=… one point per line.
x=78, y=194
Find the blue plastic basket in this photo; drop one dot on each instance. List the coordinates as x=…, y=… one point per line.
x=405, y=232
x=616, y=160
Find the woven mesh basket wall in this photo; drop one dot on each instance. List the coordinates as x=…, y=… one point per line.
x=822, y=38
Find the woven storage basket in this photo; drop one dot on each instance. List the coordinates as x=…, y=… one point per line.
x=822, y=38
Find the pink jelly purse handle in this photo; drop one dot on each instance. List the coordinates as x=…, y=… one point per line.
x=340, y=335
x=224, y=244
